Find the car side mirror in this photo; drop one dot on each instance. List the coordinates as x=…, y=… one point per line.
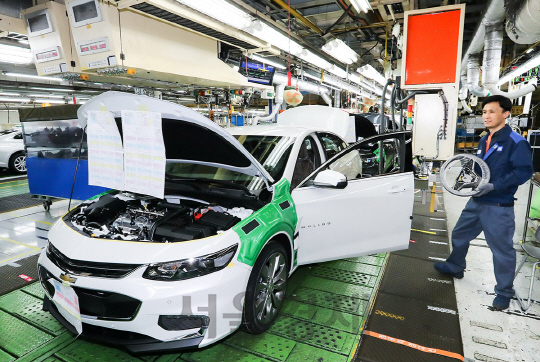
x=331, y=179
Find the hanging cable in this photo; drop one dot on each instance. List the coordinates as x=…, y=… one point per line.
x=289, y=75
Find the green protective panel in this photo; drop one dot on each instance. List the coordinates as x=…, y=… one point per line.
x=18, y=337
x=345, y=276
x=354, y=266
x=6, y=357
x=222, y=353
x=29, y=308
x=336, y=287
x=82, y=351
x=353, y=305
x=298, y=310
x=369, y=259
x=272, y=220
x=327, y=317
x=313, y=334
x=16, y=301
x=265, y=345
x=338, y=320
x=306, y=353
x=34, y=289
x=34, y=313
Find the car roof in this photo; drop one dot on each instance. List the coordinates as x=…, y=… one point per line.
x=270, y=130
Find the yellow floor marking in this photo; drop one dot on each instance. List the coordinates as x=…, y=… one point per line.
x=23, y=244
x=17, y=256
x=7, y=182
x=3, y=187
x=424, y=231
x=43, y=222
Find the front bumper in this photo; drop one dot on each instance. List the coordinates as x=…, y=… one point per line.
x=133, y=342
x=217, y=296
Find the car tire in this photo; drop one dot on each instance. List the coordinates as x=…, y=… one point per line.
x=17, y=163
x=266, y=289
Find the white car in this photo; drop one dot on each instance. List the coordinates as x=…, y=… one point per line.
x=243, y=208
x=12, y=154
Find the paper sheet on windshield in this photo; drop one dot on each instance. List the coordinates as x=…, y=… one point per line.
x=144, y=153
x=105, y=152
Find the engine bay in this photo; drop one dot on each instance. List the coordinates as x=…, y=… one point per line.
x=131, y=217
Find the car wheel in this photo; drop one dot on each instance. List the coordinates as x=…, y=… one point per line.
x=266, y=289
x=17, y=163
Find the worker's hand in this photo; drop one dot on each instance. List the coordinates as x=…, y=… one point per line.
x=484, y=189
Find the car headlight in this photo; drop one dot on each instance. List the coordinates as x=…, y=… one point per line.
x=190, y=268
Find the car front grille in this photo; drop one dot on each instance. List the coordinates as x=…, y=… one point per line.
x=88, y=268
x=96, y=303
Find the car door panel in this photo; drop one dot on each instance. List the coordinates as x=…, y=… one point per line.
x=370, y=215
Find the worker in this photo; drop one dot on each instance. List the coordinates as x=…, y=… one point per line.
x=508, y=156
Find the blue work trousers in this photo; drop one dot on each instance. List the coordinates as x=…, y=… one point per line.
x=498, y=225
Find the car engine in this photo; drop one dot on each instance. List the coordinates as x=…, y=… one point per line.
x=126, y=216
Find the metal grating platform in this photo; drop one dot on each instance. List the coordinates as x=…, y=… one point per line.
x=321, y=320
x=414, y=317
x=22, y=200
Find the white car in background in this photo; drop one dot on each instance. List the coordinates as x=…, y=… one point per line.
x=12, y=154
x=243, y=208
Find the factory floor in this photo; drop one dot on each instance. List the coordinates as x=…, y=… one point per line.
x=380, y=308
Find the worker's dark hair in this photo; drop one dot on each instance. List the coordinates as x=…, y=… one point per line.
x=505, y=103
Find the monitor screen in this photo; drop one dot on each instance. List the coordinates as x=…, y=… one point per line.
x=257, y=72
x=38, y=23
x=85, y=11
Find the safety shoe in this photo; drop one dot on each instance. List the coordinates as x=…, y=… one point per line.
x=501, y=302
x=445, y=269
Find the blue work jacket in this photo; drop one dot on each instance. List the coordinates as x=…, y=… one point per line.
x=510, y=164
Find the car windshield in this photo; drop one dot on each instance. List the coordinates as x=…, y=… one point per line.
x=272, y=152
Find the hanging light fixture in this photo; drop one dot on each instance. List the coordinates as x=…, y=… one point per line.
x=337, y=49
x=369, y=72
x=361, y=5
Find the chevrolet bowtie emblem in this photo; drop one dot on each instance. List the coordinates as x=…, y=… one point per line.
x=68, y=278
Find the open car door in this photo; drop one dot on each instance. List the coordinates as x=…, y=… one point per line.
x=371, y=214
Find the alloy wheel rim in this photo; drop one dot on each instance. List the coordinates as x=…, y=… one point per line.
x=20, y=163
x=271, y=288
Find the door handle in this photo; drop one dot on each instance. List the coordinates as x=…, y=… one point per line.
x=397, y=190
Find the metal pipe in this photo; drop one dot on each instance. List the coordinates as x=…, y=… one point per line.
x=492, y=55
x=473, y=76
x=524, y=26
x=466, y=107
x=494, y=14
x=381, y=110
x=280, y=88
x=299, y=16
x=326, y=97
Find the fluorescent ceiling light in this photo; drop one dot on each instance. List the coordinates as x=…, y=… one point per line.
x=337, y=71
x=530, y=50
x=15, y=55
x=24, y=41
x=361, y=5
x=340, y=51
x=274, y=37
x=266, y=61
x=369, y=72
x=314, y=59
x=10, y=94
x=54, y=101
x=222, y=11
x=52, y=89
x=525, y=67
x=6, y=99
x=20, y=75
x=45, y=95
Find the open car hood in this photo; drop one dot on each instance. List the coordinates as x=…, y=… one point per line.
x=189, y=137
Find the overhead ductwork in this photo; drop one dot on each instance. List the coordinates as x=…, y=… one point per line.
x=280, y=89
x=523, y=27
x=326, y=97
x=494, y=15
x=491, y=67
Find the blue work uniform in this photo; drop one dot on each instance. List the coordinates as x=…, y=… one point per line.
x=510, y=164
